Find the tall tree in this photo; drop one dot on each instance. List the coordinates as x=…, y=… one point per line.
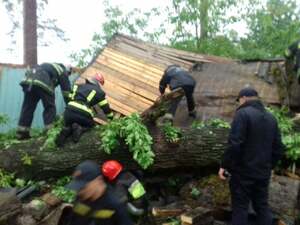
x=197, y=20
x=33, y=16
x=30, y=32
x=272, y=27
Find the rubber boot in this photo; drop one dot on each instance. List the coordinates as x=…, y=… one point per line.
x=23, y=135
x=77, y=132
x=63, y=135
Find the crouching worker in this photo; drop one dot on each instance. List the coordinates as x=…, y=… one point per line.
x=95, y=203
x=126, y=186
x=176, y=77
x=79, y=113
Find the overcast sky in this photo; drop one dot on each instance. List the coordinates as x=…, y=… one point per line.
x=79, y=19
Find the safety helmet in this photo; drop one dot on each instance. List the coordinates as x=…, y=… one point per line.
x=111, y=169
x=99, y=78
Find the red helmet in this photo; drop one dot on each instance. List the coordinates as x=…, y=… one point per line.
x=111, y=169
x=99, y=78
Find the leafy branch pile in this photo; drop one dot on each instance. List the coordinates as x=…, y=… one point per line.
x=216, y=123
x=290, y=138
x=134, y=133
x=52, y=134
x=61, y=192
x=9, y=180
x=171, y=133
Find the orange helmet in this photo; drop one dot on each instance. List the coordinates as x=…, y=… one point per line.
x=111, y=169
x=99, y=78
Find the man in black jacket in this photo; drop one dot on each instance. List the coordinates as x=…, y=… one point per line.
x=79, y=113
x=95, y=204
x=176, y=77
x=255, y=147
x=292, y=54
x=39, y=84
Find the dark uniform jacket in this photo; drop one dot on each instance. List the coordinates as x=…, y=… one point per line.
x=176, y=77
x=254, y=142
x=129, y=189
x=85, y=96
x=47, y=76
x=106, y=210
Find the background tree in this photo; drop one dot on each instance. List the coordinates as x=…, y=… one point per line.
x=35, y=22
x=272, y=27
x=30, y=32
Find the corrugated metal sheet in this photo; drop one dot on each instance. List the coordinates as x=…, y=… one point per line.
x=11, y=97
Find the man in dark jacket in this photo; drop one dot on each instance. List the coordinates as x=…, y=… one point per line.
x=79, y=113
x=255, y=147
x=176, y=77
x=39, y=84
x=292, y=54
x=95, y=204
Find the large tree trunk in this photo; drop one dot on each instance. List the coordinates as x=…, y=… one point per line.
x=197, y=148
x=30, y=32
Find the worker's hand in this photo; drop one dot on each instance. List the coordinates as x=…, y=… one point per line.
x=221, y=174
x=93, y=190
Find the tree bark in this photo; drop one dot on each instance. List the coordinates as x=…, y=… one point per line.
x=196, y=148
x=30, y=32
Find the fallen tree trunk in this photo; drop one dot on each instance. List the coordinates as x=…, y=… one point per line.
x=196, y=148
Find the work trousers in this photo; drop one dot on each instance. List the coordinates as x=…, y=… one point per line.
x=32, y=95
x=243, y=190
x=76, y=116
x=188, y=90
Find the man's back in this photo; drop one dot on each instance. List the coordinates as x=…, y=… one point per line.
x=255, y=138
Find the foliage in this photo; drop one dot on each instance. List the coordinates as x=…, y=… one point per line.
x=9, y=180
x=195, y=193
x=216, y=122
x=272, y=27
x=134, y=133
x=61, y=192
x=290, y=138
x=46, y=26
x=292, y=144
x=171, y=133
x=52, y=134
x=26, y=159
x=219, y=123
x=3, y=119
x=284, y=122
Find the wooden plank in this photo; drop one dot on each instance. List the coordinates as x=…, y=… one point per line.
x=141, y=54
x=120, y=107
x=166, y=212
x=125, y=69
x=134, y=60
x=147, y=96
x=139, y=68
x=196, y=215
x=139, y=94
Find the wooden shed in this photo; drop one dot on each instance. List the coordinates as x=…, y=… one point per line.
x=132, y=69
